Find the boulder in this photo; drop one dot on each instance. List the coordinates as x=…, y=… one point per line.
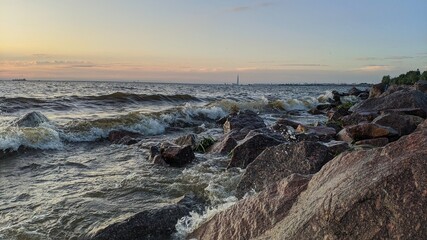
x=406, y=111
x=376, y=90
x=246, y=119
x=116, y=136
x=252, y=216
x=368, y=194
x=177, y=156
x=282, y=123
x=151, y=224
x=375, y=142
x=190, y=139
x=337, y=114
x=404, y=124
x=358, y=117
x=322, y=133
x=336, y=147
x=267, y=132
x=224, y=146
x=32, y=119
x=365, y=131
x=246, y=151
x=421, y=85
x=400, y=99
x=354, y=91
x=278, y=162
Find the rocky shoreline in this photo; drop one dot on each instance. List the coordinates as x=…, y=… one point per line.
x=362, y=175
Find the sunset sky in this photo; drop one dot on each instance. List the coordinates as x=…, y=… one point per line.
x=340, y=41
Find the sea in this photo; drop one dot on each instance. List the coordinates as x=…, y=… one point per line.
x=64, y=180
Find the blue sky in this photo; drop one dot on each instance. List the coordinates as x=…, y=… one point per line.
x=212, y=41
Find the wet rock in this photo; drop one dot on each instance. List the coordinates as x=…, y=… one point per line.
x=376, y=90
x=158, y=160
x=151, y=224
x=323, y=107
x=116, y=137
x=404, y=124
x=246, y=151
x=246, y=119
x=177, y=156
x=278, y=162
x=368, y=194
x=365, y=131
x=32, y=119
x=396, y=100
x=190, y=139
x=376, y=142
x=154, y=151
x=224, y=146
x=127, y=140
x=252, y=216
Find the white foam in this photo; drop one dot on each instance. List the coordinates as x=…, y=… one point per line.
x=189, y=223
x=43, y=137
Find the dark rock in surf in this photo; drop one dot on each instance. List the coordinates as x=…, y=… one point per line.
x=278, y=162
x=151, y=224
x=249, y=149
x=32, y=119
x=177, y=156
x=224, y=146
x=336, y=115
x=190, y=139
x=322, y=133
x=116, y=136
x=246, y=119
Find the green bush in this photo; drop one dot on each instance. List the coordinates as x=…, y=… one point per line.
x=409, y=78
x=204, y=144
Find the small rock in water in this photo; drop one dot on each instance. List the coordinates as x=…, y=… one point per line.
x=190, y=139
x=123, y=137
x=246, y=119
x=32, y=119
x=177, y=156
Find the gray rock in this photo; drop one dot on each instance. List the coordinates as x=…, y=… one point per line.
x=32, y=119
x=249, y=149
x=278, y=162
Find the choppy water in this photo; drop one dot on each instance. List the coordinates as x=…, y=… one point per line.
x=62, y=181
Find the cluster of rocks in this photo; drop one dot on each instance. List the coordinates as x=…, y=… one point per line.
x=362, y=175
x=313, y=182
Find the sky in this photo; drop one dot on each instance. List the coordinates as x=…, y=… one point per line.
x=300, y=41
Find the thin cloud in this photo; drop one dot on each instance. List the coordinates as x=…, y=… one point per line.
x=372, y=68
x=384, y=58
x=251, y=7
x=302, y=65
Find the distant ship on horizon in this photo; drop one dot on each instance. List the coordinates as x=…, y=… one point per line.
x=19, y=79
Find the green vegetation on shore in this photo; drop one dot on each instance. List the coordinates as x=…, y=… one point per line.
x=409, y=78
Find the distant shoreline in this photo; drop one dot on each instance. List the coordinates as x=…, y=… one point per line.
x=184, y=83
